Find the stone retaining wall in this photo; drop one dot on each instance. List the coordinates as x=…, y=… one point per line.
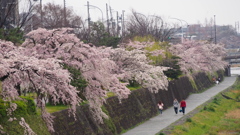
x=139, y=107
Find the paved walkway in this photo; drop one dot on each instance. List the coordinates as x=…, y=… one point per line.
x=156, y=124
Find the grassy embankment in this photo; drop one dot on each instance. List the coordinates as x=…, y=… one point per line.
x=25, y=109
x=219, y=117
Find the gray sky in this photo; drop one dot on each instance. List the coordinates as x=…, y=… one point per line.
x=192, y=11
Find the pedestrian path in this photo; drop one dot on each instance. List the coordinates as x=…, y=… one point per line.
x=157, y=123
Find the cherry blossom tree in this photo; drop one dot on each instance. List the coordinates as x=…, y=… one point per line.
x=41, y=76
x=95, y=66
x=103, y=68
x=135, y=66
x=200, y=56
x=134, y=63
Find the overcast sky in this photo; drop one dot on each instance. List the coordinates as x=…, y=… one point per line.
x=227, y=12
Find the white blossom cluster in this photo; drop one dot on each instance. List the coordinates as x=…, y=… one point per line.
x=200, y=56
x=134, y=65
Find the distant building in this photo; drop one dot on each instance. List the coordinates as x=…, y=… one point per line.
x=198, y=32
x=9, y=14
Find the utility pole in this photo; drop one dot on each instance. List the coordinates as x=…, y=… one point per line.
x=123, y=27
x=111, y=18
x=237, y=26
x=211, y=39
x=3, y=13
x=16, y=12
x=88, y=16
x=215, y=29
x=117, y=25
x=107, y=18
x=65, y=16
x=41, y=13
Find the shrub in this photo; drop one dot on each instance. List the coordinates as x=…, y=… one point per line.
x=204, y=126
x=216, y=101
x=209, y=108
x=77, y=80
x=21, y=108
x=14, y=35
x=174, y=72
x=189, y=120
x=24, y=107
x=31, y=106
x=3, y=113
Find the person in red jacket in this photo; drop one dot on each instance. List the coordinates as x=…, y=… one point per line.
x=183, y=105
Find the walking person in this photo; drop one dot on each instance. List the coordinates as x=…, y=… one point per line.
x=214, y=80
x=160, y=106
x=183, y=106
x=175, y=105
x=219, y=79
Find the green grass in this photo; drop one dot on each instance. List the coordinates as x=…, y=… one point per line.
x=110, y=94
x=221, y=116
x=55, y=108
x=38, y=127
x=26, y=110
x=32, y=95
x=34, y=121
x=0, y=86
x=131, y=88
x=134, y=88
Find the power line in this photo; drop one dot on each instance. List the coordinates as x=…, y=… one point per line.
x=215, y=29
